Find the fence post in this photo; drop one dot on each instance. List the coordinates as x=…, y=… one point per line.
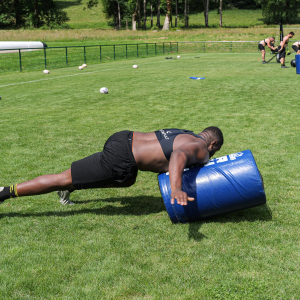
x=45, y=58
x=100, y=55
x=147, y=48
x=137, y=50
x=230, y=46
x=155, y=49
x=170, y=47
x=126, y=51
x=84, y=54
x=177, y=47
x=163, y=48
x=20, y=60
x=66, y=56
x=203, y=46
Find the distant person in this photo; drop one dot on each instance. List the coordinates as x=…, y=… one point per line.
x=296, y=47
x=282, y=48
x=266, y=42
x=124, y=153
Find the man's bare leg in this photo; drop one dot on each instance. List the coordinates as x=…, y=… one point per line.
x=263, y=55
x=45, y=184
x=40, y=185
x=282, y=60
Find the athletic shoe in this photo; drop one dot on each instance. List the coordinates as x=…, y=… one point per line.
x=1, y=189
x=264, y=62
x=64, y=197
x=284, y=67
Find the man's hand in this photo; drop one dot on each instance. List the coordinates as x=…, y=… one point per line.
x=181, y=197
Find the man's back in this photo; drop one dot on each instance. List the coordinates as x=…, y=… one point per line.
x=150, y=156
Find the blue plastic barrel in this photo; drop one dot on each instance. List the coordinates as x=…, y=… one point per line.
x=297, y=58
x=225, y=184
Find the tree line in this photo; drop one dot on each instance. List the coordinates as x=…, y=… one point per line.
x=134, y=13
x=31, y=13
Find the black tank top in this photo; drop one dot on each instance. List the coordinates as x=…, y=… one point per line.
x=166, y=139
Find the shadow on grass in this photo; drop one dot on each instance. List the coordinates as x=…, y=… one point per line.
x=140, y=205
x=258, y=213
x=144, y=205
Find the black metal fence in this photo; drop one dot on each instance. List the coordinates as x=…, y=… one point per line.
x=58, y=57
x=219, y=46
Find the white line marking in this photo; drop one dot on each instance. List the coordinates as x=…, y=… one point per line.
x=45, y=79
x=31, y=81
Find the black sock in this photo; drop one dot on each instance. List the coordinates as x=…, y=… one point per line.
x=8, y=192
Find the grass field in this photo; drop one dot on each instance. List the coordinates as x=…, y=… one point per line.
x=120, y=243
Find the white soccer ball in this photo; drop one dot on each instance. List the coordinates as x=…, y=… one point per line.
x=135, y=66
x=46, y=71
x=84, y=65
x=178, y=56
x=80, y=67
x=104, y=90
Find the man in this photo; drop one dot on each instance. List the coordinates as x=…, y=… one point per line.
x=266, y=42
x=296, y=47
x=125, y=153
x=282, y=48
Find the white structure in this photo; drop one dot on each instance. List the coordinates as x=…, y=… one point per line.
x=22, y=45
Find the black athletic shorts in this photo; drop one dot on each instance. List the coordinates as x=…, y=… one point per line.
x=281, y=54
x=295, y=48
x=115, y=164
x=261, y=47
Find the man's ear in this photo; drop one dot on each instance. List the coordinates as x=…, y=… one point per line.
x=214, y=143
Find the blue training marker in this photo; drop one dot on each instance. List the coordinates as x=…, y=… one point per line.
x=197, y=77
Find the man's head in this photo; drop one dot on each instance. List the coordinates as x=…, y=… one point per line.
x=214, y=139
x=291, y=34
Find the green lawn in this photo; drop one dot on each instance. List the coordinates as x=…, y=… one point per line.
x=120, y=243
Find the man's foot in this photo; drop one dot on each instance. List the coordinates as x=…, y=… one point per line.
x=2, y=197
x=284, y=67
x=264, y=62
x=64, y=197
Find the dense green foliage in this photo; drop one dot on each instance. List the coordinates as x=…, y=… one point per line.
x=119, y=243
x=53, y=13
x=34, y=13
x=276, y=11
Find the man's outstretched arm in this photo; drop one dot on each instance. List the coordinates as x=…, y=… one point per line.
x=183, y=156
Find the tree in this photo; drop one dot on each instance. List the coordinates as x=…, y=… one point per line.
x=158, y=14
x=139, y=14
x=134, y=15
x=145, y=17
x=176, y=12
x=206, y=10
x=185, y=13
x=168, y=15
x=220, y=11
x=151, y=12
x=37, y=13
x=275, y=11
